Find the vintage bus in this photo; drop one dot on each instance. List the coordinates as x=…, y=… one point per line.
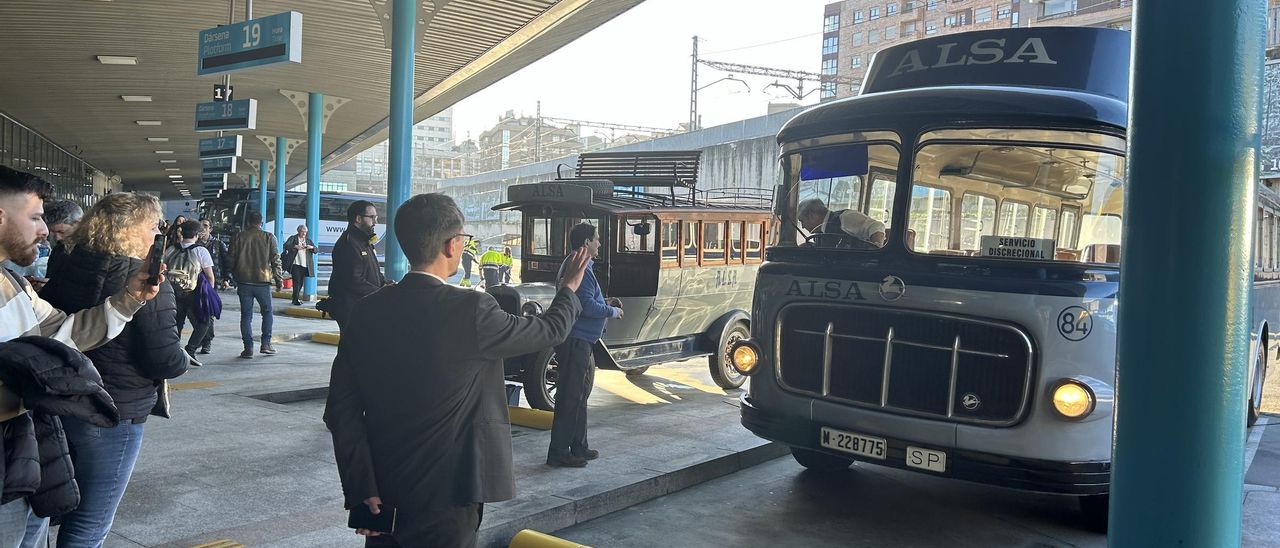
x=682, y=261
x=979, y=341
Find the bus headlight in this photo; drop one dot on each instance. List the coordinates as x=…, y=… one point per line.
x=531, y=308
x=1081, y=398
x=744, y=357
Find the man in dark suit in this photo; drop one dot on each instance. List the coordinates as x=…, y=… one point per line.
x=356, y=272
x=417, y=405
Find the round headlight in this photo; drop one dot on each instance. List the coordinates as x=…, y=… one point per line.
x=531, y=308
x=744, y=358
x=1072, y=399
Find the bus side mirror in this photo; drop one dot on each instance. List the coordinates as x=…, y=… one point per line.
x=642, y=229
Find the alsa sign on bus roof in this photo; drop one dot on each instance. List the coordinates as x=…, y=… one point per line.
x=253, y=43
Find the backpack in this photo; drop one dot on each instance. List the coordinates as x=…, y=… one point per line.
x=184, y=270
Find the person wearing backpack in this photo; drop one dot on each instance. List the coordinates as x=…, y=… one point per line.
x=187, y=261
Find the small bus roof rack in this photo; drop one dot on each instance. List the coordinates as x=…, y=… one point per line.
x=676, y=168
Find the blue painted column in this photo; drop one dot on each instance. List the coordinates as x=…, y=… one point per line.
x=1187, y=269
x=263, y=168
x=315, y=125
x=404, y=21
x=282, y=161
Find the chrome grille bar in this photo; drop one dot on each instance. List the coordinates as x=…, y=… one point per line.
x=888, y=368
x=826, y=360
x=955, y=370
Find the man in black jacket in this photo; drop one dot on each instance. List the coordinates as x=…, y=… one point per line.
x=356, y=272
x=424, y=428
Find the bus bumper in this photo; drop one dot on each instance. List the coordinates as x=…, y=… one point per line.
x=1044, y=476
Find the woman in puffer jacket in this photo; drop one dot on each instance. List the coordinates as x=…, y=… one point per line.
x=95, y=262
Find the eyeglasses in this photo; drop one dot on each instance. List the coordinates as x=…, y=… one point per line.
x=374, y=216
x=469, y=236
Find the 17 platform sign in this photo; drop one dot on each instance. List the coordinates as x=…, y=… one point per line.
x=253, y=43
x=228, y=146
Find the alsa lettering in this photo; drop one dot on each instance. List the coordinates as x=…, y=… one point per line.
x=982, y=52
x=548, y=191
x=825, y=290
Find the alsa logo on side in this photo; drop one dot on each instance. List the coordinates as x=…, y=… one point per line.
x=982, y=52
x=826, y=290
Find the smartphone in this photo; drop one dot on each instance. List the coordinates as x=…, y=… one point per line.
x=154, y=260
x=363, y=518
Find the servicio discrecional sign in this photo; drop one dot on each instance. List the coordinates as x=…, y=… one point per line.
x=1009, y=247
x=227, y=115
x=228, y=146
x=253, y=43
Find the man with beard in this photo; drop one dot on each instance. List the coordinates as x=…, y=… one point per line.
x=24, y=313
x=356, y=271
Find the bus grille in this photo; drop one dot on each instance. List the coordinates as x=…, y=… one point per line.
x=909, y=362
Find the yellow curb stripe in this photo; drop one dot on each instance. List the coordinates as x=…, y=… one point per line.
x=531, y=418
x=193, y=385
x=303, y=312
x=529, y=538
x=326, y=338
x=220, y=544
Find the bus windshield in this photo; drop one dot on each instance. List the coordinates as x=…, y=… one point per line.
x=1018, y=195
x=840, y=195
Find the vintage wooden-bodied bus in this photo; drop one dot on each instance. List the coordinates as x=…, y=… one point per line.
x=682, y=260
x=979, y=341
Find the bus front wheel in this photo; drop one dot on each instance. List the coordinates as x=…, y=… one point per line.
x=541, y=375
x=1255, y=391
x=722, y=370
x=819, y=461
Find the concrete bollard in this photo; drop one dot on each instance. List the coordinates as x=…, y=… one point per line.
x=529, y=538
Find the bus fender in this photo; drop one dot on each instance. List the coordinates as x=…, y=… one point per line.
x=604, y=360
x=711, y=337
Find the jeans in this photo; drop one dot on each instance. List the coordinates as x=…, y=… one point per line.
x=577, y=373
x=20, y=528
x=248, y=294
x=200, y=330
x=103, y=460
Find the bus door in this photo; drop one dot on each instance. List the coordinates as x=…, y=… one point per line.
x=686, y=312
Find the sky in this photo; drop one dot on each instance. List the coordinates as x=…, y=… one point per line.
x=635, y=69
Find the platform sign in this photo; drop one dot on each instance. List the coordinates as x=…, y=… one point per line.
x=217, y=166
x=227, y=115
x=219, y=179
x=228, y=146
x=253, y=43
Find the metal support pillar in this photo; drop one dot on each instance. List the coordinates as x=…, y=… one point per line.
x=263, y=170
x=404, y=20
x=282, y=161
x=1193, y=165
x=315, y=132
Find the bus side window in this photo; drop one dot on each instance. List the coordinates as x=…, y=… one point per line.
x=630, y=242
x=713, y=243
x=735, y=242
x=1013, y=218
x=670, y=243
x=755, y=242
x=690, y=244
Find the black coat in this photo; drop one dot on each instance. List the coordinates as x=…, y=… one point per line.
x=53, y=380
x=425, y=425
x=356, y=272
x=289, y=254
x=217, y=252
x=149, y=348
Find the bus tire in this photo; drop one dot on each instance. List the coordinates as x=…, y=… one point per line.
x=1094, y=510
x=721, y=368
x=637, y=371
x=819, y=461
x=1255, y=391
x=540, y=379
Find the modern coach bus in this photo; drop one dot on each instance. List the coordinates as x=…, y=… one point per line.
x=228, y=212
x=978, y=342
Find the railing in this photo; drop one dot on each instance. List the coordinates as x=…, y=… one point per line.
x=1273, y=27
x=1097, y=7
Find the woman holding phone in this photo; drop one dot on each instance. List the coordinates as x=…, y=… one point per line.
x=114, y=238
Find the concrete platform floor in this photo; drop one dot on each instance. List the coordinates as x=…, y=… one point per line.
x=232, y=465
x=782, y=504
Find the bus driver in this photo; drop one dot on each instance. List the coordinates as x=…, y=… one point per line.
x=848, y=224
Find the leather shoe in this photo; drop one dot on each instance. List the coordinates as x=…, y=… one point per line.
x=589, y=454
x=247, y=354
x=267, y=349
x=566, y=461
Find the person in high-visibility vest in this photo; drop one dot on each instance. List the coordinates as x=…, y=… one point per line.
x=469, y=252
x=507, y=263
x=491, y=267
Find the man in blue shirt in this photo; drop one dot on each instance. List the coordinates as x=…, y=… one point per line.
x=576, y=364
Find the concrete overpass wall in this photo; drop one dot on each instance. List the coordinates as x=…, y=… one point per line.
x=735, y=155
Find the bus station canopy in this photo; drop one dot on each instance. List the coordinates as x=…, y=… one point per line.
x=52, y=80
